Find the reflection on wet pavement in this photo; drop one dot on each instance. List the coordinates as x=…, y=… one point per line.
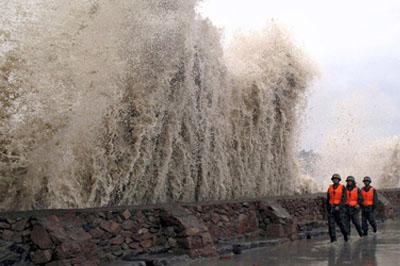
x=380, y=249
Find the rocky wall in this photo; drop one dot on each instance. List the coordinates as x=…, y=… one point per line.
x=93, y=236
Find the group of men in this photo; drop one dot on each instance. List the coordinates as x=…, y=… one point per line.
x=344, y=204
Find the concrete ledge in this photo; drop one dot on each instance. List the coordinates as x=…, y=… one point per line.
x=140, y=233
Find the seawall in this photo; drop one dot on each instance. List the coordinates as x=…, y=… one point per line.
x=102, y=235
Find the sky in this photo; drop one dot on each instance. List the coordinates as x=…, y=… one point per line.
x=356, y=46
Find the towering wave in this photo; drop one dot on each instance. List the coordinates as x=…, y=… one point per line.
x=130, y=102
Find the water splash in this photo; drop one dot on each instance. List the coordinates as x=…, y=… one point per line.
x=128, y=102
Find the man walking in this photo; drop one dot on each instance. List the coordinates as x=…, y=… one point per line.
x=354, y=201
x=369, y=206
x=335, y=205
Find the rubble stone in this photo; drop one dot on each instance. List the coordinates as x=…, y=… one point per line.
x=40, y=237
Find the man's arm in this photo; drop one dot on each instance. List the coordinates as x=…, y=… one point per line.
x=344, y=197
x=360, y=197
x=328, y=206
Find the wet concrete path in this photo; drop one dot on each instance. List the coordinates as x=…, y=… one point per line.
x=380, y=249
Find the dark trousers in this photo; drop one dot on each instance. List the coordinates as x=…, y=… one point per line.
x=336, y=217
x=368, y=215
x=353, y=216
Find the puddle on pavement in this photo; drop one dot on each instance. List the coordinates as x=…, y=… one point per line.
x=380, y=249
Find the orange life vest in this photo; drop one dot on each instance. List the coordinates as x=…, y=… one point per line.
x=368, y=196
x=335, y=195
x=352, y=197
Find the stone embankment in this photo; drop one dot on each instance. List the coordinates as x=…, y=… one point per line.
x=157, y=234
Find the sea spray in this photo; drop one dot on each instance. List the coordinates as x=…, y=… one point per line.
x=132, y=102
